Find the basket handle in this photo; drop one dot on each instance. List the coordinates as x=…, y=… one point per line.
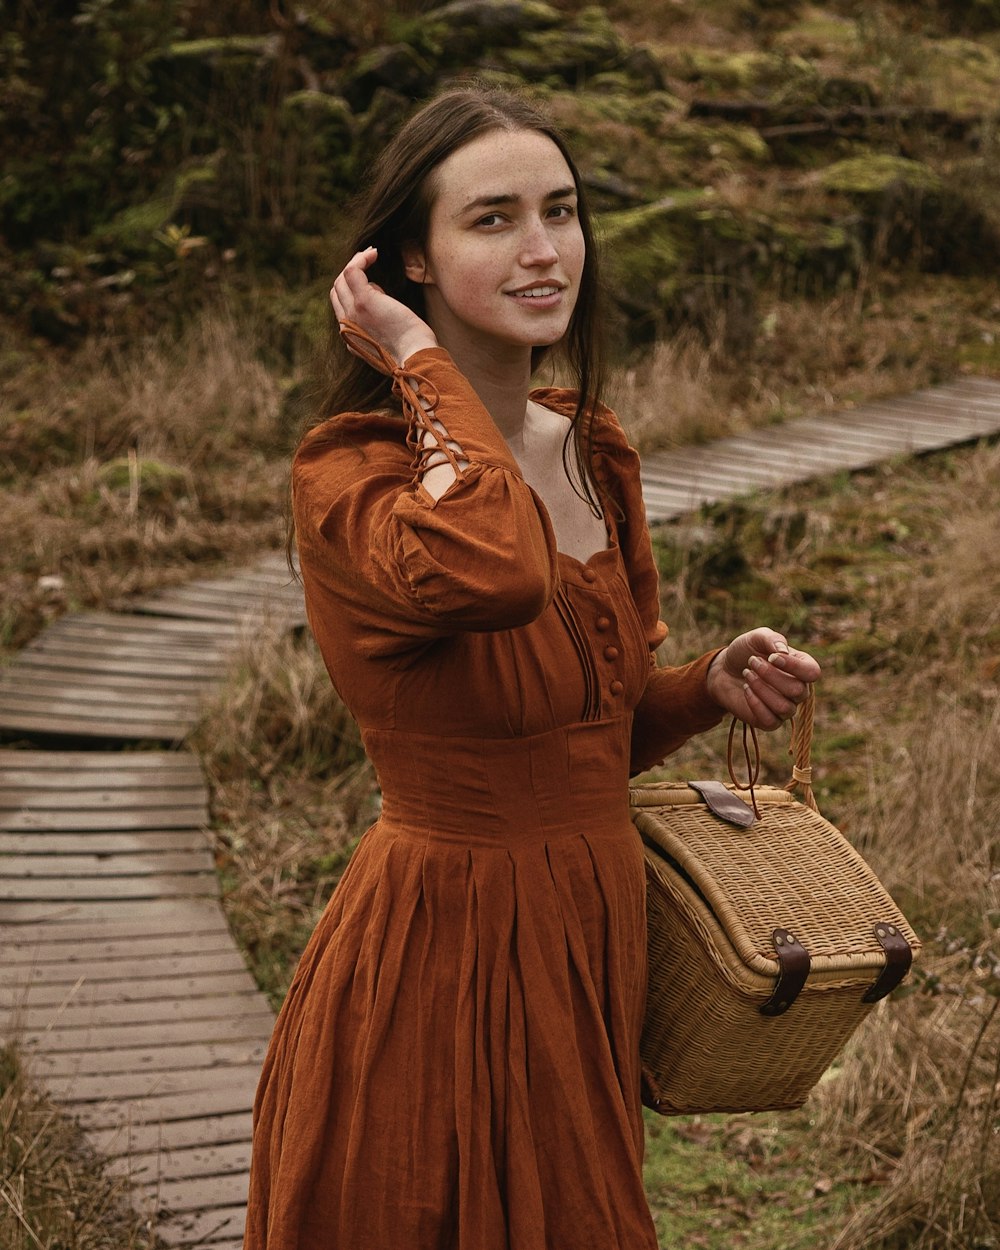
x=799, y=748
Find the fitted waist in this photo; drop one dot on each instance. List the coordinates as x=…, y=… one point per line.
x=490, y=791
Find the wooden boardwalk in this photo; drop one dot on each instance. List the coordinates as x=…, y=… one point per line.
x=118, y=973
x=121, y=980
x=143, y=675
x=678, y=481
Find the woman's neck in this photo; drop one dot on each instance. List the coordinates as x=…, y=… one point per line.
x=501, y=378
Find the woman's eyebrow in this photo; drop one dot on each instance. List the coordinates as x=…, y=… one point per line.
x=487, y=201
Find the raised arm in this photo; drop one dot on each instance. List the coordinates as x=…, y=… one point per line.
x=443, y=537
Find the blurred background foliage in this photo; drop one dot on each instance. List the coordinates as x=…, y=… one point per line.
x=154, y=152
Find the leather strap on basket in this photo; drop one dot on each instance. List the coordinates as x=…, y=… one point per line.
x=898, y=957
x=799, y=748
x=793, y=969
x=752, y=761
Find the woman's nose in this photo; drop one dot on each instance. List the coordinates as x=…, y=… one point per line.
x=537, y=247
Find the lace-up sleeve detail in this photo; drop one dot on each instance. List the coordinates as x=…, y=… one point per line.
x=478, y=554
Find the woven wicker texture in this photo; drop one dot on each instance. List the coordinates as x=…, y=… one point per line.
x=716, y=894
x=791, y=869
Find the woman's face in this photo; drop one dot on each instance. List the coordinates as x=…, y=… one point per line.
x=504, y=252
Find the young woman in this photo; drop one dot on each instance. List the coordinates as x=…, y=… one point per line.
x=456, y=1066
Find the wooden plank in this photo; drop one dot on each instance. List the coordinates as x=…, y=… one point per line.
x=69, y=889
x=115, y=625
x=104, y=842
x=173, y=1058
x=84, y=992
x=126, y=711
x=84, y=763
x=192, y=1194
x=175, y=1135
x=110, y=952
x=54, y=1039
x=172, y=1165
x=127, y=820
x=128, y=1086
x=108, y=797
x=20, y=687
x=167, y=1011
x=125, y=922
x=220, y=1100
x=82, y=727
x=203, y=1229
x=169, y=665
x=36, y=867
x=170, y=964
x=23, y=821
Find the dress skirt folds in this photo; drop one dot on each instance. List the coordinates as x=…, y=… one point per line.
x=456, y=1065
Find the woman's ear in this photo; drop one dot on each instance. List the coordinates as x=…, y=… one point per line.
x=414, y=262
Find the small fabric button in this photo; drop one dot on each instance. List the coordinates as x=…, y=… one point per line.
x=616, y=687
x=589, y=575
x=611, y=653
x=602, y=623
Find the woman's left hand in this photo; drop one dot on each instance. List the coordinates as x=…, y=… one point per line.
x=760, y=679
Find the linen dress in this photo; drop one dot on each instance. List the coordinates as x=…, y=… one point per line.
x=456, y=1065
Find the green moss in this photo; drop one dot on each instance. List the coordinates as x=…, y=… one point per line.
x=585, y=46
x=223, y=48
x=158, y=482
x=876, y=172
x=135, y=226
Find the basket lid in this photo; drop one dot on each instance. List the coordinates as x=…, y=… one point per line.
x=790, y=870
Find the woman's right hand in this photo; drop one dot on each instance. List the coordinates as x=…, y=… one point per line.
x=389, y=322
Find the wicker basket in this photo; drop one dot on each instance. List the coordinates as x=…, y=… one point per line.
x=768, y=945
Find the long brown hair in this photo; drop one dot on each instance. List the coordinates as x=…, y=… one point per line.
x=394, y=210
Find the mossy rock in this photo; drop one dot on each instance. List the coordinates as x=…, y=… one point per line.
x=159, y=484
x=460, y=32
x=720, y=71
x=234, y=64
x=134, y=228
x=875, y=173
x=318, y=132
x=911, y=214
x=588, y=45
x=962, y=75
x=397, y=67
x=685, y=258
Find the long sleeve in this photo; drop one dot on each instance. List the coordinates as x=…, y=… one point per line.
x=481, y=557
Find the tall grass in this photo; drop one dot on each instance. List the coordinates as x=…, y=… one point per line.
x=291, y=790
x=54, y=1195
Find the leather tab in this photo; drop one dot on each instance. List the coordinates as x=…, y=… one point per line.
x=793, y=969
x=724, y=803
x=898, y=957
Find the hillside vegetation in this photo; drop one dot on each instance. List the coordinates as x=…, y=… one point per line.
x=799, y=205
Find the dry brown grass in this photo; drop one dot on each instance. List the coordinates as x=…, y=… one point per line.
x=909, y=764
x=121, y=470
x=879, y=338
x=53, y=1194
x=291, y=789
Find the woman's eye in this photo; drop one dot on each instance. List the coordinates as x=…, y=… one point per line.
x=491, y=219
x=562, y=211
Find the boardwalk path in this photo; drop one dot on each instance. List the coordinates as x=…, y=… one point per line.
x=117, y=971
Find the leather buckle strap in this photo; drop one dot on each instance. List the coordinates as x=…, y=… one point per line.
x=898, y=957
x=793, y=969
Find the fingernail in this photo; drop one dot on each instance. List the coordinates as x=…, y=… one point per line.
x=777, y=660
x=781, y=646
x=747, y=674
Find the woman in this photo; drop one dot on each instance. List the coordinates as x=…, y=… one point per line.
x=457, y=1062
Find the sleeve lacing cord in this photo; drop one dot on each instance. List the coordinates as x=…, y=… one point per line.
x=426, y=438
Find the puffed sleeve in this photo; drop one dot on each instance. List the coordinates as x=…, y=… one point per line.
x=675, y=704
x=481, y=557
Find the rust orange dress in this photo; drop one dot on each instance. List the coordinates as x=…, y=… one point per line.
x=456, y=1065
